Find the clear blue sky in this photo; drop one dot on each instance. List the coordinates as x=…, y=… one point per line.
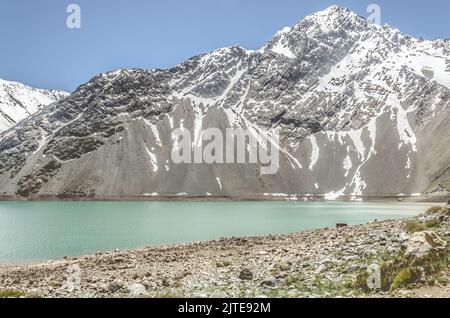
x=38, y=49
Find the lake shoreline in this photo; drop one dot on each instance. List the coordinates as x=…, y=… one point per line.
x=440, y=198
x=315, y=263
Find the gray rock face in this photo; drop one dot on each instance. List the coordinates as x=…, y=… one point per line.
x=362, y=110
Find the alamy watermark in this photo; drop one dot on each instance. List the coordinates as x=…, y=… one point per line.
x=73, y=281
x=374, y=277
x=238, y=146
x=74, y=19
x=375, y=14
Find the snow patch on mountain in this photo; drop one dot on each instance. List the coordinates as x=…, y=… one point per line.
x=153, y=160
x=314, y=153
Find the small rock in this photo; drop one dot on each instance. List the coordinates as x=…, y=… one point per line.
x=165, y=282
x=354, y=268
x=350, y=257
x=370, y=252
x=137, y=290
x=118, y=260
x=392, y=249
x=306, y=265
x=114, y=286
x=404, y=292
x=220, y=295
x=271, y=282
x=246, y=274
x=320, y=268
x=282, y=275
x=293, y=292
x=402, y=237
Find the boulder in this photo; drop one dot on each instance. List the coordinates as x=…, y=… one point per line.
x=246, y=274
x=137, y=290
x=402, y=237
x=422, y=243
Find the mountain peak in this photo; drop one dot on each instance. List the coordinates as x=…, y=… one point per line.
x=18, y=101
x=331, y=20
x=333, y=16
x=334, y=9
x=333, y=12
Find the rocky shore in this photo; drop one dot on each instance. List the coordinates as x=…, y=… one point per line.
x=437, y=198
x=403, y=258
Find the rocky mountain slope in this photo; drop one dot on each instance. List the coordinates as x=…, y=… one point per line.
x=18, y=101
x=362, y=109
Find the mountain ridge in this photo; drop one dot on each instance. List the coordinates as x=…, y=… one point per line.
x=355, y=104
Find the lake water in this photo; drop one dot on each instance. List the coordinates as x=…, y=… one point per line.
x=34, y=231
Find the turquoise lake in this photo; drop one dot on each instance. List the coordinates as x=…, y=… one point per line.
x=36, y=231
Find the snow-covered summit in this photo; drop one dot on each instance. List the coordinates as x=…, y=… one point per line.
x=17, y=101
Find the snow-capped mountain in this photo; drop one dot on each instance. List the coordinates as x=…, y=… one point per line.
x=363, y=110
x=18, y=101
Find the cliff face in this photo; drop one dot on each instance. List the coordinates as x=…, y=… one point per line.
x=362, y=110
